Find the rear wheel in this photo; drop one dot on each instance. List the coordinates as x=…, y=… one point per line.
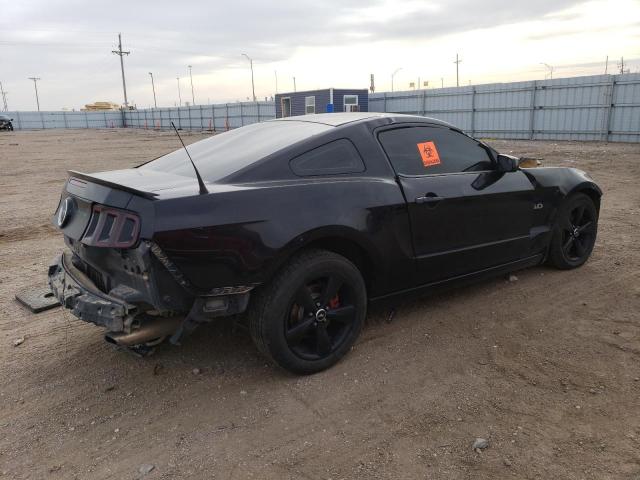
x=575, y=232
x=310, y=315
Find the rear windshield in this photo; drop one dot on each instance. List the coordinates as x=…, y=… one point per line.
x=221, y=155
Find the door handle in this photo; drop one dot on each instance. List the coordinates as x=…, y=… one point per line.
x=431, y=198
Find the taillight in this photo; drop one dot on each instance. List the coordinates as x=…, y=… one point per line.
x=111, y=227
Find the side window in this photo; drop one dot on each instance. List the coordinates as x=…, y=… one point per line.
x=350, y=103
x=433, y=150
x=309, y=105
x=335, y=158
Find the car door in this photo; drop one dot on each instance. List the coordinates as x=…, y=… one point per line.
x=466, y=216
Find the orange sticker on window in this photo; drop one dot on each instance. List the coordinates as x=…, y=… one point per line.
x=429, y=154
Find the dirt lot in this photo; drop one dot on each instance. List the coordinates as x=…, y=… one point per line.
x=546, y=367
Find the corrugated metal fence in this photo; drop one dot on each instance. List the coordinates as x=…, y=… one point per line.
x=202, y=117
x=601, y=107
x=62, y=119
x=197, y=117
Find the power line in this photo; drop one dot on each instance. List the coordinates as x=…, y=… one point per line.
x=621, y=65
x=35, y=85
x=121, y=54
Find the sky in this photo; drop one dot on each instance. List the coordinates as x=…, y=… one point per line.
x=322, y=43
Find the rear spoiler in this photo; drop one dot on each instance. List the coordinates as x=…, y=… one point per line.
x=106, y=183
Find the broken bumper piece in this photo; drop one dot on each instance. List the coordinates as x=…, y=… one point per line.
x=78, y=293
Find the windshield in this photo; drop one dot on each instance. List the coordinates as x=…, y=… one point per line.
x=223, y=154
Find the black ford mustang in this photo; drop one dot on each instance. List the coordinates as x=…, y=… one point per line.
x=302, y=222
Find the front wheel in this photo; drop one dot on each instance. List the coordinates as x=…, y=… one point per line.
x=311, y=313
x=575, y=232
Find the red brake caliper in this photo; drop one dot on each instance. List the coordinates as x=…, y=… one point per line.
x=334, y=302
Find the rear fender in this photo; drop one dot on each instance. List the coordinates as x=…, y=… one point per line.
x=339, y=239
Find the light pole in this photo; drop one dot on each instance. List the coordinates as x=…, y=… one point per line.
x=457, y=62
x=253, y=88
x=193, y=97
x=294, y=84
x=275, y=72
x=35, y=85
x=179, y=95
x=155, y=104
x=393, y=75
x=550, y=69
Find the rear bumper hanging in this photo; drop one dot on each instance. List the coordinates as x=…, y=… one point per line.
x=78, y=293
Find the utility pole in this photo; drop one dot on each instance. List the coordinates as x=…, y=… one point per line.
x=253, y=88
x=5, y=108
x=606, y=64
x=35, y=85
x=179, y=95
x=550, y=69
x=294, y=84
x=372, y=86
x=193, y=97
x=441, y=82
x=155, y=104
x=621, y=65
x=393, y=75
x=457, y=62
x=121, y=54
x=276, y=74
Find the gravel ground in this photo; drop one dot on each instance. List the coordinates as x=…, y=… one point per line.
x=546, y=368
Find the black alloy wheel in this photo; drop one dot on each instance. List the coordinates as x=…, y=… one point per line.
x=321, y=317
x=575, y=233
x=311, y=313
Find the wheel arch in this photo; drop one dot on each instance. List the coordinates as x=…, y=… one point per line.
x=352, y=251
x=343, y=241
x=589, y=189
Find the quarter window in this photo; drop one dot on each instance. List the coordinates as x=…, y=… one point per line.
x=335, y=158
x=309, y=105
x=433, y=150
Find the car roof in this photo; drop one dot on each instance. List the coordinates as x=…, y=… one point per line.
x=339, y=119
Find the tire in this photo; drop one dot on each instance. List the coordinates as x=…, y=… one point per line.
x=308, y=317
x=574, y=233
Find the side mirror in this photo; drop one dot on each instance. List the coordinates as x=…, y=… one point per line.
x=508, y=163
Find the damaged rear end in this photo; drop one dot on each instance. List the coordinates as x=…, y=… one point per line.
x=113, y=274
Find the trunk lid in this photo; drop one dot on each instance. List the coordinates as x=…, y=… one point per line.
x=142, y=182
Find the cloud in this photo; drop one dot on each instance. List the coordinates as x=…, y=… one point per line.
x=69, y=42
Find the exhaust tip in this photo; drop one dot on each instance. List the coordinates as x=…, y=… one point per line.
x=150, y=332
